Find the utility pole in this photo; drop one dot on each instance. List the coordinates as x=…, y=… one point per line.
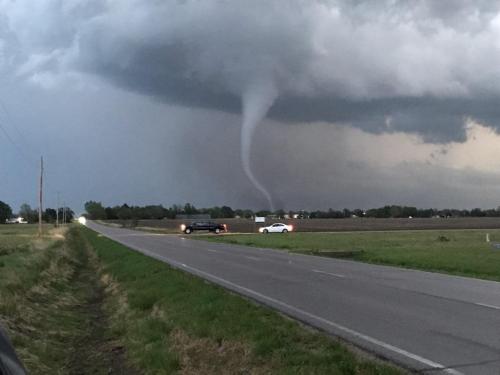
x=64, y=213
x=57, y=211
x=40, y=201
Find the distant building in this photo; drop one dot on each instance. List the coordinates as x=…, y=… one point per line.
x=301, y=215
x=16, y=220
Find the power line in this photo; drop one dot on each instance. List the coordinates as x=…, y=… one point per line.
x=27, y=158
x=13, y=123
x=19, y=149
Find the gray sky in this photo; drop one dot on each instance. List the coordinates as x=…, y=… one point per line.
x=343, y=103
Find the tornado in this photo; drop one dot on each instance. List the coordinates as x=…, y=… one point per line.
x=256, y=101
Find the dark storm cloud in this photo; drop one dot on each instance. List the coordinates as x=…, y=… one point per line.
x=427, y=65
x=321, y=166
x=387, y=66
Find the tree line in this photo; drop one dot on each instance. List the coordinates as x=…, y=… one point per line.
x=96, y=211
x=396, y=211
x=49, y=215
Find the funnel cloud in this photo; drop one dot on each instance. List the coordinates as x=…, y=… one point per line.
x=257, y=99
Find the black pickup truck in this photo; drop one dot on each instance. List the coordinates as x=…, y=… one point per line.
x=204, y=225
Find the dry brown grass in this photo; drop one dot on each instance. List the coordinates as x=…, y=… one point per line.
x=51, y=305
x=30, y=302
x=206, y=356
x=195, y=355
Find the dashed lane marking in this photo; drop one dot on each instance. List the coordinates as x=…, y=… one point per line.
x=329, y=273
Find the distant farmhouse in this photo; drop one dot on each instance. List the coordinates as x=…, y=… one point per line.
x=16, y=220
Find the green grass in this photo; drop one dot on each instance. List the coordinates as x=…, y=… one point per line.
x=49, y=302
x=13, y=237
x=461, y=252
x=85, y=303
x=15, y=243
x=171, y=322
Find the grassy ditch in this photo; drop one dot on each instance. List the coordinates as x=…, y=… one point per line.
x=51, y=304
x=77, y=303
x=173, y=322
x=460, y=252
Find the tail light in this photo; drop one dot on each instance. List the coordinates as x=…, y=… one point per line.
x=225, y=227
x=291, y=228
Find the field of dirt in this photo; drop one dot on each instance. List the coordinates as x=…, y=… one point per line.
x=331, y=225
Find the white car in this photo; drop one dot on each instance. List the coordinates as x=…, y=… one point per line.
x=276, y=228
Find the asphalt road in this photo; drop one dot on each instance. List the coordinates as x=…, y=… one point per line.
x=426, y=321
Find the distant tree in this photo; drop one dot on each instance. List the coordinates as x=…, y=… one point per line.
x=27, y=213
x=214, y=212
x=459, y=213
x=170, y=213
x=280, y=213
x=227, y=212
x=153, y=212
x=137, y=212
x=358, y=212
x=25, y=210
x=429, y=212
x=189, y=209
x=110, y=213
x=477, y=212
x=5, y=212
x=383, y=212
x=395, y=211
x=67, y=214
x=492, y=213
x=409, y=211
x=346, y=212
x=124, y=212
x=50, y=215
x=247, y=214
x=95, y=210
x=330, y=214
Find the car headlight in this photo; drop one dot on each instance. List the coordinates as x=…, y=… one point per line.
x=261, y=230
x=183, y=227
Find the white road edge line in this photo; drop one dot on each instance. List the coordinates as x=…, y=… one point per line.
x=486, y=305
x=330, y=273
x=372, y=340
